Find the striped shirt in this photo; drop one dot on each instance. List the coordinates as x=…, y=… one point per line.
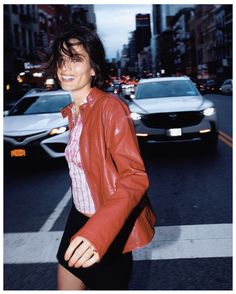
x=82, y=197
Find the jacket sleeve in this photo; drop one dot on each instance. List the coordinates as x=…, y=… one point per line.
x=132, y=183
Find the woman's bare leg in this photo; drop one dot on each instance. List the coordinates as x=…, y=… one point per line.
x=67, y=281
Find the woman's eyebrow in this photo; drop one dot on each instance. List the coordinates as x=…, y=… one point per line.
x=78, y=55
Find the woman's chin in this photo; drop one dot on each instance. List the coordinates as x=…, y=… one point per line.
x=66, y=87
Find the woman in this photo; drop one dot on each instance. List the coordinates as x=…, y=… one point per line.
x=110, y=215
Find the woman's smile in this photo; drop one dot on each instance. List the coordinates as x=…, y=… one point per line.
x=66, y=78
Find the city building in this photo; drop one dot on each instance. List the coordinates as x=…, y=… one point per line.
x=83, y=14
x=195, y=40
x=162, y=20
x=142, y=42
x=132, y=65
x=211, y=32
x=223, y=42
x=142, y=32
x=182, y=42
x=28, y=33
x=20, y=38
x=124, y=60
x=50, y=21
x=145, y=62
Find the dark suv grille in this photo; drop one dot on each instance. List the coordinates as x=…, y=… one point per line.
x=172, y=119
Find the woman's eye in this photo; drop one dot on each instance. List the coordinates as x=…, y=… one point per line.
x=77, y=59
x=61, y=62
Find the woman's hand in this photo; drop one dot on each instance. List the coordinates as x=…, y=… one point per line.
x=81, y=253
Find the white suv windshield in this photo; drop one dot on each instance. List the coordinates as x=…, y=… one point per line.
x=41, y=104
x=162, y=89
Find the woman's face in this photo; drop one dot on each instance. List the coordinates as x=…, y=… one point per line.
x=75, y=73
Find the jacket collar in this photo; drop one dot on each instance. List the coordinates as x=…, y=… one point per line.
x=93, y=95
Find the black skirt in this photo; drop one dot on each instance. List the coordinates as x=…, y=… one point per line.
x=113, y=272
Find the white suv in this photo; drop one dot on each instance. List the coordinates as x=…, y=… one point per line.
x=34, y=126
x=170, y=109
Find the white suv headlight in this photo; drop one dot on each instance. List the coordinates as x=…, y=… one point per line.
x=57, y=131
x=209, y=111
x=135, y=116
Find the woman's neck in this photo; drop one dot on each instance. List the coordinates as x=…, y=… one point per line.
x=79, y=96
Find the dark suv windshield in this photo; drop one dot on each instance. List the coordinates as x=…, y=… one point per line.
x=41, y=104
x=162, y=89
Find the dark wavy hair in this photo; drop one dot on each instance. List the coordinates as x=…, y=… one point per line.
x=92, y=45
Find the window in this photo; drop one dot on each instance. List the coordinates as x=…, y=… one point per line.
x=164, y=89
x=23, y=37
x=16, y=34
x=15, y=9
x=41, y=104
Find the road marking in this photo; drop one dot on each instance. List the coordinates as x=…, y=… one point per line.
x=47, y=226
x=226, y=139
x=170, y=242
x=226, y=136
x=196, y=241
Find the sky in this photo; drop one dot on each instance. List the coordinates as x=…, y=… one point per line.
x=115, y=22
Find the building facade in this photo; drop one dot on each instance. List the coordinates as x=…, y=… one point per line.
x=20, y=37
x=29, y=31
x=195, y=41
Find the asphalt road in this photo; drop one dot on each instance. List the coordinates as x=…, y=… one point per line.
x=191, y=193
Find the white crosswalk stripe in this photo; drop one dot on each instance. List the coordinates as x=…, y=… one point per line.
x=195, y=241
x=170, y=242
x=47, y=226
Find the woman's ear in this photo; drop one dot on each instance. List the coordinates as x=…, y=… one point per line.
x=92, y=73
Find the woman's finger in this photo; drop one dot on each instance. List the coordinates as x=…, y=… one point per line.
x=92, y=260
x=79, y=252
x=71, y=248
x=84, y=258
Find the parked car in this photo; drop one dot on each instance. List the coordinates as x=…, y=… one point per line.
x=170, y=109
x=207, y=86
x=34, y=125
x=114, y=89
x=227, y=87
x=201, y=86
x=212, y=86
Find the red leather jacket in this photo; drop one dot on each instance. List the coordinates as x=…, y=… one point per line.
x=115, y=173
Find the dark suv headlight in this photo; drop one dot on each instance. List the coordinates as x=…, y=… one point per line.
x=135, y=116
x=209, y=111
